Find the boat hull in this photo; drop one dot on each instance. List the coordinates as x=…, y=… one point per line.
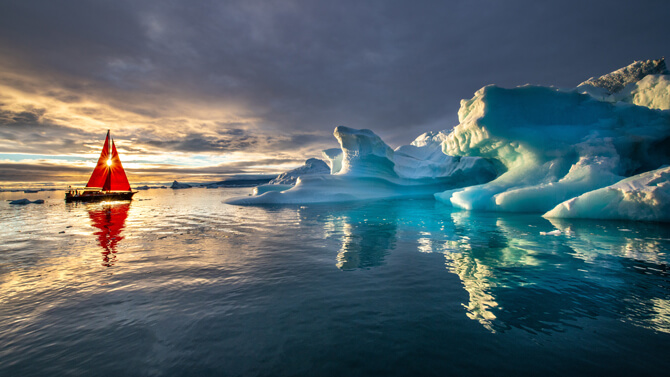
x=89, y=196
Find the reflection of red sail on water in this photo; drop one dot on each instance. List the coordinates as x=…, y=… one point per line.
x=110, y=220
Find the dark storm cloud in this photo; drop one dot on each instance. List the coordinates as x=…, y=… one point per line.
x=199, y=143
x=28, y=118
x=26, y=132
x=395, y=67
x=236, y=140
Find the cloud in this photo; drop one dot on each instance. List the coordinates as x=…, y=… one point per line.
x=77, y=173
x=276, y=77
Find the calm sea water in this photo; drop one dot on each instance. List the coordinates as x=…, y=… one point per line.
x=179, y=283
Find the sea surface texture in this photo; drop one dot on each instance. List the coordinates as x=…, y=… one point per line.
x=177, y=283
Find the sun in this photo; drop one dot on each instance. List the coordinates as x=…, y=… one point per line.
x=109, y=162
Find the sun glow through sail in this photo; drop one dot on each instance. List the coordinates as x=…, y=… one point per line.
x=108, y=173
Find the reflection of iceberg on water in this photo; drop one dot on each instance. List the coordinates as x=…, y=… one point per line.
x=366, y=234
x=476, y=279
x=365, y=245
x=518, y=278
x=110, y=220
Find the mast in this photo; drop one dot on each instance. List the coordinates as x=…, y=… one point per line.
x=101, y=171
x=108, y=181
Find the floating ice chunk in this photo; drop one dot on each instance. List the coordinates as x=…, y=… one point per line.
x=311, y=166
x=555, y=232
x=644, y=196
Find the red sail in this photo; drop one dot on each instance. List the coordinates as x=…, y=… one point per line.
x=99, y=175
x=117, y=176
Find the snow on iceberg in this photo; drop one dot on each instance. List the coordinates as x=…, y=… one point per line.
x=644, y=196
x=370, y=169
x=554, y=145
x=642, y=83
x=616, y=81
x=653, y=92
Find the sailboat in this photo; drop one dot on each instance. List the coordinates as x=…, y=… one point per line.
x=108, y=181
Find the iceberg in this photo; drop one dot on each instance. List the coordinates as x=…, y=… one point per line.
x=644, y=196
x=370, y=169
x=554, y=144
x=545, y=150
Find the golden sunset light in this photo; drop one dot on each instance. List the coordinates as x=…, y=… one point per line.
x=291, y=188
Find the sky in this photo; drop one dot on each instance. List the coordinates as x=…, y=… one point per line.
x=200, y=90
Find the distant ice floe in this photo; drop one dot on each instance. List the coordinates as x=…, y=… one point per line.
x=26, y=201
x=525, y=149
x=176, y=185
